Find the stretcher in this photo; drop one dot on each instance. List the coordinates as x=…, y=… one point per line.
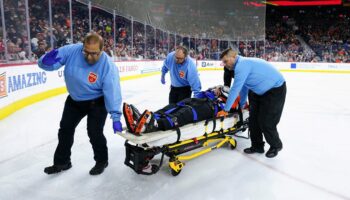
x=177, y=144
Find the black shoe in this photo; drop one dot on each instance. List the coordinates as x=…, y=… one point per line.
x=252, y=150
x=272, y=152
x=98, y=168
x=54, y=169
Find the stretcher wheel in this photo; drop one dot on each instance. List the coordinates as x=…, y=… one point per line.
x=175, y=166
x=233, y=146
x=155, y=168
x=175, y=173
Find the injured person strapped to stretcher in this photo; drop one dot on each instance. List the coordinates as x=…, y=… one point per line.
x=187, y=111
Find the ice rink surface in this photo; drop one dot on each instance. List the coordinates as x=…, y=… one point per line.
x=314, y=164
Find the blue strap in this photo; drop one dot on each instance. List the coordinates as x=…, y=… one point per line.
x=170, y=111
x=195, y=117
x=170, y=121
x=181, y=103
x=194, y=113
x=216, y=109
x=166, y=114
x=201, y=95
x=156, y=116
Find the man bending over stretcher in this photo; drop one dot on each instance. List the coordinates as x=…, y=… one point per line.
x=187, y=111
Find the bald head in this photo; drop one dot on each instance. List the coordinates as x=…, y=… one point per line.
x=181, y=53
x=93, y=38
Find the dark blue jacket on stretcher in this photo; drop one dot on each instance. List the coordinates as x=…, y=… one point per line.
x=88, y=82
x=253, y=74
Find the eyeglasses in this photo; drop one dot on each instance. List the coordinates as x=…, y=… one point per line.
x=87, y=53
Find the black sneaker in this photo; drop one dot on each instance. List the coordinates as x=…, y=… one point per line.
x=98, y=168
x=252, y=150
x=272, y=152
x=54, y=169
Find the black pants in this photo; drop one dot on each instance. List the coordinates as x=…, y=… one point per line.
x=183, y=115
x=264, y=115
x=73, y=112
x=179, y=93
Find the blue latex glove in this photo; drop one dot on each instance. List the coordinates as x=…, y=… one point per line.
x=50, y=58
x=117, y=126
x=162, y=80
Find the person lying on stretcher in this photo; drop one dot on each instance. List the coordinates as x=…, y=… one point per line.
x=187, y=111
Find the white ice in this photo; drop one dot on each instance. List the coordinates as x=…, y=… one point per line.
x=314, y=164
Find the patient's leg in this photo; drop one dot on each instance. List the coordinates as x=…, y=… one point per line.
x=172, y=115
x=192, y=110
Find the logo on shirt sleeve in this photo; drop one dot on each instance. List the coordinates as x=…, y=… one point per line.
x=92, y=77
x=181, y=74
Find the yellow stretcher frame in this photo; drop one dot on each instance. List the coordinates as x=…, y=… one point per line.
x=176, y=163
x=220, y=138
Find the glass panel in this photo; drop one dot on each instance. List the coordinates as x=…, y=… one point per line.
x=196, y=47
x=241, y=48
x=214, y=49
x=123, y=38
x=204, y=49
x=166, y=42
x=150, y=42
x=186, y=42
x=178, y=40
x=102, y=23
x=2, y=41
x=260, y=49
x=249, y=49
x=61, y=22
x=161, y=45
x=80, y=14
x=223, y=45
x=192, y=48
x=139, y=40
x=171, y=42
x=16, y=31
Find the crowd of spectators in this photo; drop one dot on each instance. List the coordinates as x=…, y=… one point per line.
x=289, y=36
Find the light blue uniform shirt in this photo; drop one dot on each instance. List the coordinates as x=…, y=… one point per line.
x=182, y=75
x=253, y=74
x=88, y=82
